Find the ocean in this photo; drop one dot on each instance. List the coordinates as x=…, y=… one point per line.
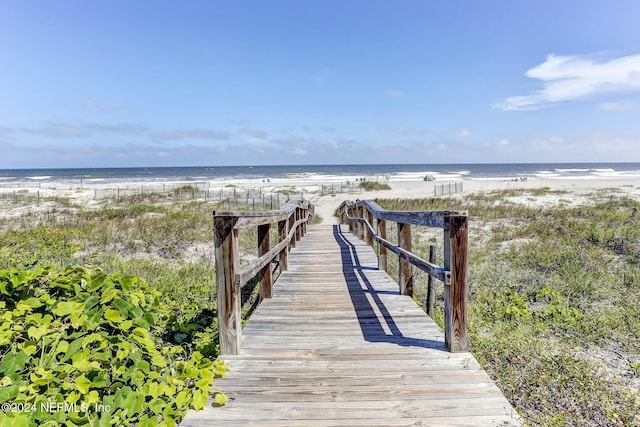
x=301, y=174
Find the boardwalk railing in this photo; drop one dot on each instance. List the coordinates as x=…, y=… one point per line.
x=292, y=225
x=360, y=217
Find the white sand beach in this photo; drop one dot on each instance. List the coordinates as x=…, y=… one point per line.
x=566, y=191
x=569, y=192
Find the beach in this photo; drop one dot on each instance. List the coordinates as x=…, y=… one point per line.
x=326, y=193
x=553, y=292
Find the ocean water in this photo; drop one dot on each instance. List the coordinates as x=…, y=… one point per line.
x=321, y=173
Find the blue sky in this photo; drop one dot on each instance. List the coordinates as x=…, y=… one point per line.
x=199, y=83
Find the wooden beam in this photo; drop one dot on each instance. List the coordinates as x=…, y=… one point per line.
x=456, y=314
x=292, y=222
x=382, y=249
x=228, y=291
x=435, y=219
x=264, y=275
x=431, y=295
x=369, y=217
x=284, y=254
x=405, y=279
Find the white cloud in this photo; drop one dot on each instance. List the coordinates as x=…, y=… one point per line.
x=59, y=131
x=255, y=133
x=463, y=132
x=300, y=152
x=65, y=130
x=206, y=134
x=402, y=131
x=572, y=77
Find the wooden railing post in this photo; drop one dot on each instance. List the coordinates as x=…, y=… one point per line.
x=283, y=258
x=297, y=216
x=292, y=221
x=228, y=291
x=264, y=245
x=455, y=296
x=431, y=295
x=405, y=278
x=369, y=217
x=382, y=250
x=364, y=229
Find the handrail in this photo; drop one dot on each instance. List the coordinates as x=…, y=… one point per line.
x=292, y=222
x=453, y=274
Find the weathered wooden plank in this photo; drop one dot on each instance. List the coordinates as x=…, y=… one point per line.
x=228, y=294
x=338, y=346
x=264, y=246
x=405, y=276
x=464, y=421
x=382, y=249
x=282, y=236
x=456, y=315
x=431, y=295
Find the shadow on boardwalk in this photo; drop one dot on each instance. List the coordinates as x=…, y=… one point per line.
x=366, y=299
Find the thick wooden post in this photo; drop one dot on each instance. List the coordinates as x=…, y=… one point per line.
x=405, y=278
x=298, y=215
x=284, y=254
x=292, y=221
x=455, y=301
x=305, y=216
x=369, y=217
x=264, y=275
x=228, y=291
x=353, y=226
x=382, y=250
x=431, y=295
x=364, y=230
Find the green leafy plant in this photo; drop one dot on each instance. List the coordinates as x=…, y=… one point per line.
x=83, y=339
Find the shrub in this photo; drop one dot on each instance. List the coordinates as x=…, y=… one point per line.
x=82, y=339
x=374, y=186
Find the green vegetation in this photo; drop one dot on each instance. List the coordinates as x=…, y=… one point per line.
x=554, y=301
x=88, y=340
x=150, y=265
x=374, y=186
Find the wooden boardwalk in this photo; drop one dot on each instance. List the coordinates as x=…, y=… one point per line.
x=338, y=346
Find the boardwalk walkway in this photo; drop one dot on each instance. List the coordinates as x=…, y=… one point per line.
x=338, y=346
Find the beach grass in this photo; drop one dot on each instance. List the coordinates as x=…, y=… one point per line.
x=554, y=287
x=554, y=300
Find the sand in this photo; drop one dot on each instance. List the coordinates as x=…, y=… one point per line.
x=569, y=192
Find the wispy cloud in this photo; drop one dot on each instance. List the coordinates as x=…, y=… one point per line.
x=66, y=130
x=205, y=134
x=402, y=131
x=463, y=132
x=571, y=77
x=59, y=131
x=255, y=133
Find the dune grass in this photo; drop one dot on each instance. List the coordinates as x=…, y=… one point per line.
x=554, y=301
